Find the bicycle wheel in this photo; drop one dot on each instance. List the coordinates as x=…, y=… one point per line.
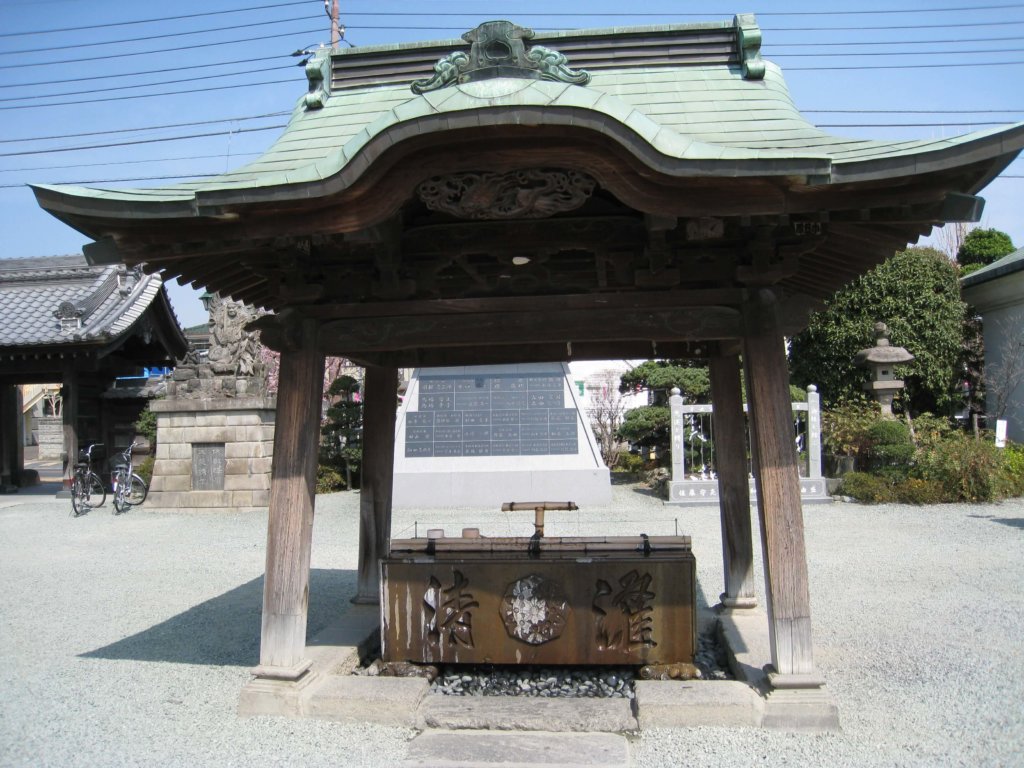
x=96, y=494
x=77, y=494
x=137, y=491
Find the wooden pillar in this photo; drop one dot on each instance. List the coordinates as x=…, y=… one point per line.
x=70, y=392
x=290, y=523
x=10, y=434
x=379, y=408
x=778, y=492
x=733, y=485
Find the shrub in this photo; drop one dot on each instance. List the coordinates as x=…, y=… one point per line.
x=629, y=462
x=329, y=480
x=915, y=490
x=890, y=448
x=844, y=429
x=145, y=425
x=144, y=469
x=968, y=468
x=868, y=488
x=1013, y=469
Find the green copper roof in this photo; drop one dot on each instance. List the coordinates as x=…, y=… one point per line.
x=695, y=119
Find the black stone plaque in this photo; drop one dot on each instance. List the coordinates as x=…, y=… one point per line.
x=562, y=431
x=436, y=402
x=546, y=399
x=507, y=400
x=448, y=434
x=423, y=419
x=562, y=416
x=447, y=419
x=491, y=415
x=504, y=417
x=477, y=448
x=472, y=401
x=208, y=463
x=432, y=386
x=533, y=432
x=535, y=416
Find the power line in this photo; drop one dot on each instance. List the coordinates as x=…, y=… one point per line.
x=220, y=156
x=892, y=53
x=170, y=34
x=140, y=73
x=164, y=70
x=117, y=181
x=111, y=89
x=26, y=152
x=176, y=49
x=911, y=66
x=150, y=21
x=148, y=128
x=151, y=95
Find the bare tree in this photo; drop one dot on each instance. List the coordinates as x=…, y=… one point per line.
x=606, y=408
x=1004, y=380
x=950, y=237
x=55, y=401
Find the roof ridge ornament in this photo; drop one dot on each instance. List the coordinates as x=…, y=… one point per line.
x=497, y=50
x=748, y=46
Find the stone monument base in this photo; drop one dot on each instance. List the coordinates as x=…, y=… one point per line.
x=213, y=453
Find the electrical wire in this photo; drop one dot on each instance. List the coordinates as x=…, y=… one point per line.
x=151, y=95
x=52, y=150
x=108, y=25
x=133, y=86
x=148, y=128
x=167, y=35
x=177, y=49
x=140, y=73
x=219, y=156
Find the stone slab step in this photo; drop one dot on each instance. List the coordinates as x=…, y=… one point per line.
x=527, y=714
x=479, y=749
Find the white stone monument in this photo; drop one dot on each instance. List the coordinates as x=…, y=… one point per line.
x=484, y=435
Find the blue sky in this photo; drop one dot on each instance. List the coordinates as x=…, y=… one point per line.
x=891, y=69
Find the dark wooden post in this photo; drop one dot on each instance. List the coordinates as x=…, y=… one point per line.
x=733, y=485
x=10, y=435
x=290, y=524
x=380, y=405
x=69, y=412
x=781, y=514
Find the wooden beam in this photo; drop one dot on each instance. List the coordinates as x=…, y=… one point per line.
x=349, y=337
x=290, y=523
x=726, y=297
x=778, y=490
x=535, y=353
x=733, y=486
x=380, y=406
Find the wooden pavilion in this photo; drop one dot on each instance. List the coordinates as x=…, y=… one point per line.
x=512, y=197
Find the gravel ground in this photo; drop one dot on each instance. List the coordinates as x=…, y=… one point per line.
x=126, y=640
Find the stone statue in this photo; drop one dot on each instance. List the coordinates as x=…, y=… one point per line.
x=233, y=350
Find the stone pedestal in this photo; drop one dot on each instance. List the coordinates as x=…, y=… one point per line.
x=213, y=453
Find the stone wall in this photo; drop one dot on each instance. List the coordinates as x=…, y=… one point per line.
x=50, y=434
x=213, y=453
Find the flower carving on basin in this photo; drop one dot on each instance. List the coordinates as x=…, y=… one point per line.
x=534, y=610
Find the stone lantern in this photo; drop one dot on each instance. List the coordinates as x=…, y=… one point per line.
x=881, y=360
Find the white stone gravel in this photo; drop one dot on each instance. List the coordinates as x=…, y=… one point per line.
x=126, y=640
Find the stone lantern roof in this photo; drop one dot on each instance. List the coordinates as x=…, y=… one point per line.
x=883, y=353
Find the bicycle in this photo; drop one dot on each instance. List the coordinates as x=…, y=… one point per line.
x=86, y=485
x=130, y=490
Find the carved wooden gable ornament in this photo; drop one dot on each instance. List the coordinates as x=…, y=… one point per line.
x=497, y=50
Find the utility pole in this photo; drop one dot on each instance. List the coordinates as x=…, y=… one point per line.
x=335, y=29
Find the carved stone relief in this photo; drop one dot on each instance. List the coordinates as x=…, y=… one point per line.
x=526, y=194
x=534, y=610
